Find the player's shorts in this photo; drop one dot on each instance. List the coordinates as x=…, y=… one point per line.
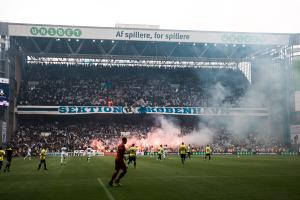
x=8, y=159
x=132, y=158
x=63, y=155
x=120, y=164
x=28, y=154
x=89, y=154
x=207, y=154
x=182, y=155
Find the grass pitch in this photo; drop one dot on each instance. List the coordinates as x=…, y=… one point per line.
x=228, y=177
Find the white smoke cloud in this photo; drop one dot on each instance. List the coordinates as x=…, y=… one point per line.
x=219, y=93
x=264, y=92
x=168, y=132
x=201, y=138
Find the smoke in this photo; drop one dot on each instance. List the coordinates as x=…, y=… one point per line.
x=168, y=132
x=266, y=91
x=200, y=138
x=97, y=144
x=219, y=93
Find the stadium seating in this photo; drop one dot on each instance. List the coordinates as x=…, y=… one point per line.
x=92, y=85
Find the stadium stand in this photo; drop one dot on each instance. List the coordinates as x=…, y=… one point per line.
x=78, y=132
x=120, y=86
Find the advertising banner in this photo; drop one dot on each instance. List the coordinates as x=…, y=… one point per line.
x=151, y=35
x=80, y=110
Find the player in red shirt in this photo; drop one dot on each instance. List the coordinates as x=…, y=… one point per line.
x=119, y=163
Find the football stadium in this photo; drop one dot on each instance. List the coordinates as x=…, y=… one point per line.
x=139, y=112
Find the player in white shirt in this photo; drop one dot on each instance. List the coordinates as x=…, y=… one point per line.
x=165, y=151
x=189, y=151
x=63, y=155
x=28, y=155
x=151, y=151
x=89, y=152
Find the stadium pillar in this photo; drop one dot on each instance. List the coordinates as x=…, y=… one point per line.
x=7, y=71
x=4, y=73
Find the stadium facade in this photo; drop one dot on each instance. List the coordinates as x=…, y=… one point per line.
x=31, y=44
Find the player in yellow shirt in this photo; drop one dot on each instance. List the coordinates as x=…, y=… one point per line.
x=207, y=152
x=8, y=155
x=182, y=151
x=160, y=152
x=132, y=155
x=43, y=158
x=2, y=153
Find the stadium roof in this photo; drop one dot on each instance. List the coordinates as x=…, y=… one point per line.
x=41, y=40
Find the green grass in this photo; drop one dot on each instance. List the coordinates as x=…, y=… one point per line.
x=228, y=177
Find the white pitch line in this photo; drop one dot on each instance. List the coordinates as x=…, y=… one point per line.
x=211, y=176
x=109, y=195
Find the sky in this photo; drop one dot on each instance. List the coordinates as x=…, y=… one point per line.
x=278, y=16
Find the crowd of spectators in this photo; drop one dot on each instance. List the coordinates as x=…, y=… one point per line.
x=84, y=85
x=75, y=137
x=80, y=136
x=127, y=86
x=63, y=85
